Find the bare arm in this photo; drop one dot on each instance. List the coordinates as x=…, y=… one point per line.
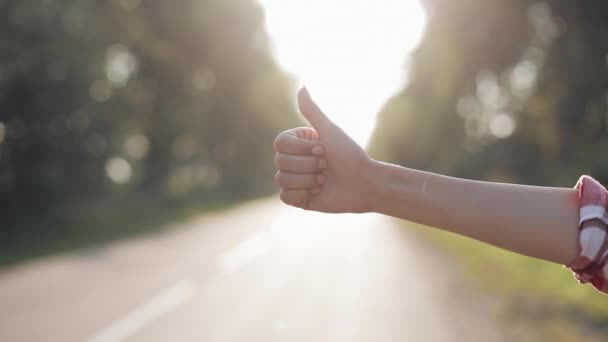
x=331, y=173
x=541, y=222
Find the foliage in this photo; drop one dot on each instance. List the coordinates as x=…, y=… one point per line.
x=505, y=91
x=512, y=91
x=542, y=297
x=102, y=101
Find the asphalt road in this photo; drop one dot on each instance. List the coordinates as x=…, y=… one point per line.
x=259, y=272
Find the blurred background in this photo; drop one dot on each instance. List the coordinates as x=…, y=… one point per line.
x=123, y=121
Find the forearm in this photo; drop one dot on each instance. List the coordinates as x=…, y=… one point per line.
x=541, y=222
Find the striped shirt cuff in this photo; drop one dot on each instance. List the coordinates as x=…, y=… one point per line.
x=590, y=265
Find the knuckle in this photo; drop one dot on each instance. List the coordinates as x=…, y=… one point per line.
x=277, y=178
x=278, y=160
x=278, y=142
x=284, y=196
x=281, y=179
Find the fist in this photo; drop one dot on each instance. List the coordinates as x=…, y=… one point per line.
x=321, y=168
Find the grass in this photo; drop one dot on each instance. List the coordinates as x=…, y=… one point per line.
x=529, y=289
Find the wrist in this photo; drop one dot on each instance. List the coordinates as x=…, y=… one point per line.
x=392, y=188
x=363, y=185
x=376, y=184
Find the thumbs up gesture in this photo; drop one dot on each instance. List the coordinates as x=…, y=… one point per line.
x=321, y=168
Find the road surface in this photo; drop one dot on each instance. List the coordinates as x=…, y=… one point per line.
x=259, y=272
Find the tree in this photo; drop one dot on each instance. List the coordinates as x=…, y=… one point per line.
x=108, y=101
x=508, y=91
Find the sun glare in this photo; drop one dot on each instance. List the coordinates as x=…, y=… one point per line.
x=350, y=54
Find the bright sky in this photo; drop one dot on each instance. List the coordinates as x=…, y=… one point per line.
x=351, y=54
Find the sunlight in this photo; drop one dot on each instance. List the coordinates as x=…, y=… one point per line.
x=350, y=54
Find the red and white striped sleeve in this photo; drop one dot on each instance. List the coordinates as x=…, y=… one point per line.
x=590, y=265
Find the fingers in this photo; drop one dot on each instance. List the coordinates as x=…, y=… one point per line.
x=305, y=133
x=300, y=158
x=299, y=164
x=288, y=180
x=296, y=197
x=289, y=143
x=313, y=113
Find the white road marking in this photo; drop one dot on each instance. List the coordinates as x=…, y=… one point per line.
x=229, y=262
x=135, y=320
x=244, y=253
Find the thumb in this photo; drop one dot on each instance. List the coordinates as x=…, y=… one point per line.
x=312, y=112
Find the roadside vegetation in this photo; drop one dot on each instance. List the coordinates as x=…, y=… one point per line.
x=540, y=297
x=117, y=116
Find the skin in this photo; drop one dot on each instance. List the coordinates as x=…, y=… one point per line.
x=323, y=169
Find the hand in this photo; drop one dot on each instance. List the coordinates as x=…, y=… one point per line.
x=321, y=168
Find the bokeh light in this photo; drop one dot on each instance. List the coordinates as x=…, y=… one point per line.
x=120, y=65
x=119, y=170
x=123, y=118
x=137, y=146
